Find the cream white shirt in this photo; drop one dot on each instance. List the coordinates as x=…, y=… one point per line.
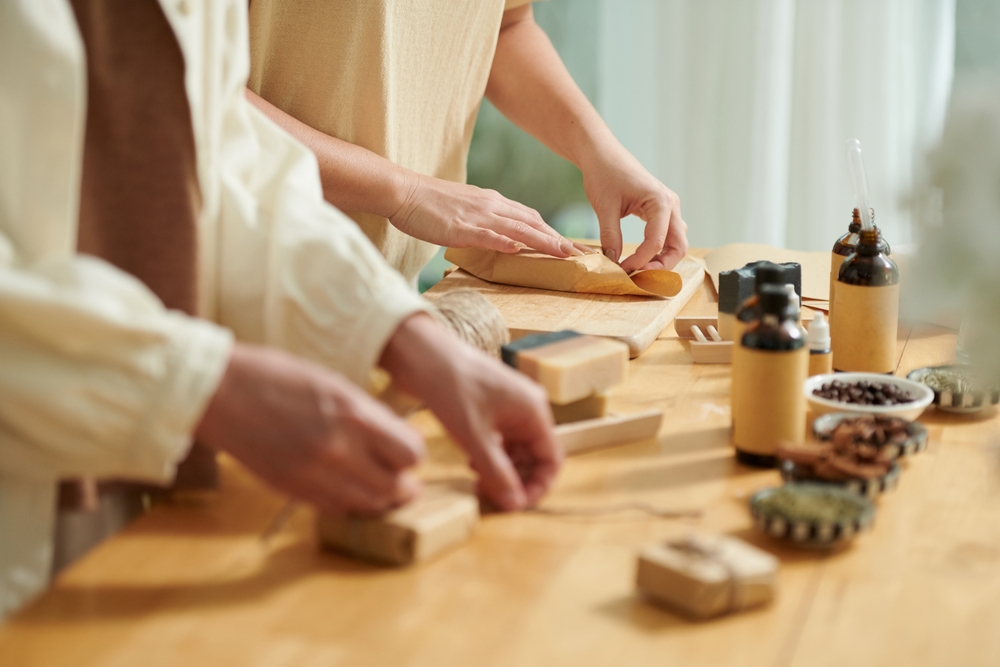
x=96, y=377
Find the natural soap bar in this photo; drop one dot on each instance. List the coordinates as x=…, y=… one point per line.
x=737, y=286
x=707, y=575
x=412, y=533
x=570, y=366
x=592, y=407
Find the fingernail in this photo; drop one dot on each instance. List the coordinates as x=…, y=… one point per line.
x=611, y=254
x=570, y=249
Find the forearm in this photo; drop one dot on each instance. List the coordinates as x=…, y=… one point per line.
x=354, y=178
x=529, y=84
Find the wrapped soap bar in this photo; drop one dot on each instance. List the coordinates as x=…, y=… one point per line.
x=707, y=575
x=428, y=525
x=570, y=366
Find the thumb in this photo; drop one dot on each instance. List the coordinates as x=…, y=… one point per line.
x=610, y=220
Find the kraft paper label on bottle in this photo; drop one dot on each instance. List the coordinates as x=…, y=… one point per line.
x=835, y=262
x=769, y=408
x=863, y=336
x=820, y=364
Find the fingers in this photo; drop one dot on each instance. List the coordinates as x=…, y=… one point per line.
x=393, y=443
x=498, y=480
x=468, y=236
x=541, y=238
x=524, y=225
x=610, y=220
x=339, y=494
x=665, y=239
x=654, y=238
x=531, y=442
x=676, y=246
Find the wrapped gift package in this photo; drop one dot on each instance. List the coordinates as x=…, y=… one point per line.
x=707, y=575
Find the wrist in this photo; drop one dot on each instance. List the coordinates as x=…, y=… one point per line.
x=419, y=352
x=402, y=186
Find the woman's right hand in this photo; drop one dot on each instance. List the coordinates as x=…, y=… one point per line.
x=457, y=215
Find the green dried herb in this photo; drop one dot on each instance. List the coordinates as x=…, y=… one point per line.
x=957, y=381
x=814, y=505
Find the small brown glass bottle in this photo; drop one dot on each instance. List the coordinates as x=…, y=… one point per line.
x=767, y=273
x=844, y=247
x=768, y=375
x=866, y=299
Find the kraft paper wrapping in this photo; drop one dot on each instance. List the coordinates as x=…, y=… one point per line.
x=587, y=274
x=863, y=336
x=769, y=407
x=835, y=262
x=706, y=575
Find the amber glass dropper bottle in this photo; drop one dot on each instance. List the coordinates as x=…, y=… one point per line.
x=844, y=247
x=774, y=362
x=867, y=305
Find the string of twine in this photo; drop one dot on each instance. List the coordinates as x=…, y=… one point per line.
x=617, y=508
x=471, y=317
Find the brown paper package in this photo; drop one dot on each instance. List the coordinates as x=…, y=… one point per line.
x=707, y=575
x=587, y=274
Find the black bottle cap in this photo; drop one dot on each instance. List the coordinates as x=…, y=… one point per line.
x=773, y=300
x=767, y=273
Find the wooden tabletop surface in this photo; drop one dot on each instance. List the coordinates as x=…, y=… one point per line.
x=225, y=581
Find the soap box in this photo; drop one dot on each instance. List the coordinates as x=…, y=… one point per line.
x=418, y=530
x=707, y=575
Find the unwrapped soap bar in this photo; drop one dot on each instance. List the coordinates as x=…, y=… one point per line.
x=570, y=366
x=412, y=533
x=738, y=285
x=592, y=407
x=707, y=575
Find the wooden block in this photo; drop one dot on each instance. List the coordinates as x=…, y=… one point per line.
x=592, y=407
x=572, y=367
x=430, y=524
x=608, y=431
x=707, y=575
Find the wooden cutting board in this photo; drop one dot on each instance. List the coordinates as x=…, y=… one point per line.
x=635, y=320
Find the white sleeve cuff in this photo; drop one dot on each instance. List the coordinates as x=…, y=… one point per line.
x=199, y=356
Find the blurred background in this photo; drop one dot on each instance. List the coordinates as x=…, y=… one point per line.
x=744, y=107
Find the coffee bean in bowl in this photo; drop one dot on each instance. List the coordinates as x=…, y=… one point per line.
x=864, y=392
x=868, y=393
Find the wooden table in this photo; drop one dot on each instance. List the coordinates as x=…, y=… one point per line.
x=221, y=583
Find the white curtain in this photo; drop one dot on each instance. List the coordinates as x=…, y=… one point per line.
x=744, y=107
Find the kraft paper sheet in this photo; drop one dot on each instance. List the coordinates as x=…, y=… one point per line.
x=815, y=276
x=587, y=274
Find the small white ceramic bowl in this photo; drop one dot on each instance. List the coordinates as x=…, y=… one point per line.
x=922, y=395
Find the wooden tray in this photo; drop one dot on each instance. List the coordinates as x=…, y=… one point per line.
x=635, y=320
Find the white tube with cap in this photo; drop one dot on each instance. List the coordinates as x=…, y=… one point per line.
x=819, y=334
x=820, y=357
x=859, y=181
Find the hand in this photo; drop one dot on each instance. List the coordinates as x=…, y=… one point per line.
x=311, y=434
x=498, y=416
x=618, y=186
x=457, y=215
